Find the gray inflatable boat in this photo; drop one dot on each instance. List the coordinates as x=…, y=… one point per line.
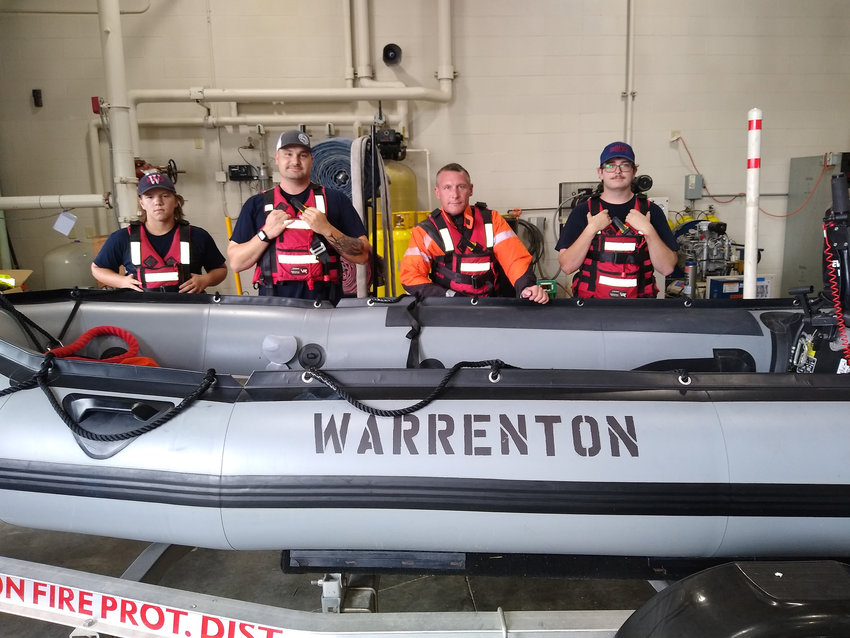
x=648, y=428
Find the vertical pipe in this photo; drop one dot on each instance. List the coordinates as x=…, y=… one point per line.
x=751, y=250
x=445, y=70
x=236, y=276
x=100, y=228
x=362, y=40
x=629, y=92
x=5, y=251
x=347, y=34
x=124, y=170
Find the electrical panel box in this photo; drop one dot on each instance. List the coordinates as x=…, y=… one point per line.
x=803, y=260
x=693, y=186
x=240, y=172
x=569, y=193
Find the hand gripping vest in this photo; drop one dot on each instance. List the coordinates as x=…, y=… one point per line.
x=155, y=272
x=617, y=264
x=467, y=265
x=297, y=254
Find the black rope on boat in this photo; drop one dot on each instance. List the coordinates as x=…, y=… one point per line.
x=495, y=366
x=75, y=295
x=26, y=323
x=42, y=381
x=385, y=300
x=30, y=383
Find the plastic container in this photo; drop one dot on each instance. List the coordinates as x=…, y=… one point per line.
x=69, y=266
x=690, y=278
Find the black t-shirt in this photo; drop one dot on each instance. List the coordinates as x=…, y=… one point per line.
x=577, y=222
x=203, y=252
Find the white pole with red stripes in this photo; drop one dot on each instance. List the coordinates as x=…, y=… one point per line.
x=752, y=218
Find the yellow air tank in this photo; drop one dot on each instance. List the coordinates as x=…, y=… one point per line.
x=402, y=181
x=403, y=204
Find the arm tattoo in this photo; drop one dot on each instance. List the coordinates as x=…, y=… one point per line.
x=346, y=245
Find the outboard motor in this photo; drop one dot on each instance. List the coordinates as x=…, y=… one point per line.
x=836, y=228
x=823, y=344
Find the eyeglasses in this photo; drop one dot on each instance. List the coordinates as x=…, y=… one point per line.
x=625, y=167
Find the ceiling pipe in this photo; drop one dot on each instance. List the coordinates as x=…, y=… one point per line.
x=79, y=7
x=63, y=202
x=292, y=96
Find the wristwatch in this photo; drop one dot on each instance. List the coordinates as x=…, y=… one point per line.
x=262, y=235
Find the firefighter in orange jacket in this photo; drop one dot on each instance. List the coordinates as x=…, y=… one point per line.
x=455, y=250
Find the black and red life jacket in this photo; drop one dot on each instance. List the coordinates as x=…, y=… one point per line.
x=617, y=265
x=468, y=265
x=157, y=272
x=297, y=254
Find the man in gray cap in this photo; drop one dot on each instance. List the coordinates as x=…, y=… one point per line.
x=295, y=234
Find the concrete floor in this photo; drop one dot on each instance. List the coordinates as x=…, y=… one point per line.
x=257, y=577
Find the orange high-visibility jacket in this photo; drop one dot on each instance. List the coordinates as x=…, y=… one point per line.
x=508, y=251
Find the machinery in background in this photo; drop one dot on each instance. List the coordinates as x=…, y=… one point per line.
x=706, y=251
x=705, y=244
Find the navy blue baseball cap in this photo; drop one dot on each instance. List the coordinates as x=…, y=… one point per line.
x=617, y=149
x=155, y=180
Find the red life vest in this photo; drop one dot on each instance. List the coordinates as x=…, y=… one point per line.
x=156, y=272
x=617, y=265
x=297, y=254
x=468, y=263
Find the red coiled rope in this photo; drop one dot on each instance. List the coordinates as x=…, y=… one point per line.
x=98, y=331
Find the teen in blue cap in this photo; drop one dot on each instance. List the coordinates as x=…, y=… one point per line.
x=161, y=251
x=616, y=240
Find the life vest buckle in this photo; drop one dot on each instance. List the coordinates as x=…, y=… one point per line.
x=318, y=248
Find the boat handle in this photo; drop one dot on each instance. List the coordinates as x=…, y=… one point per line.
x=83, y=407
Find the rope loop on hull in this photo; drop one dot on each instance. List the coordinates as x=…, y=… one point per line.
x=42, y=379
x=76, y=428
x=495, y=366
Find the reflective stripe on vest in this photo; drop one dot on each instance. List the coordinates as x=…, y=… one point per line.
x=618, y=282
x=467, y=263
x=297, y=259
x=624, y=245
x=161, y=272
x=292, y=255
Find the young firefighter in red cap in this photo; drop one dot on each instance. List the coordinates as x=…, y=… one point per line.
x=161, y=252
x=454, y=251
x=616, y=240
